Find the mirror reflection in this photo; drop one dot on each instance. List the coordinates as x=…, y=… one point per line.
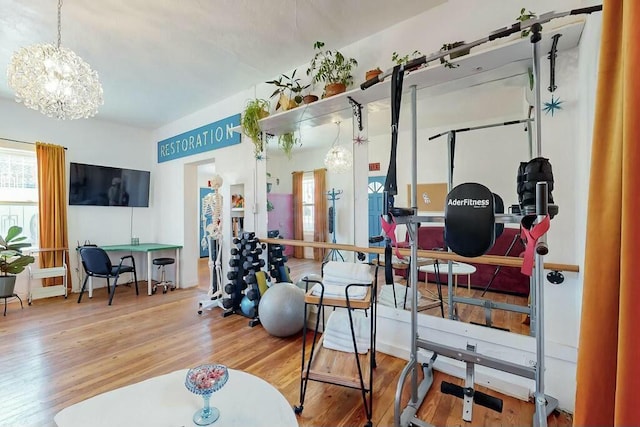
x=489, y=156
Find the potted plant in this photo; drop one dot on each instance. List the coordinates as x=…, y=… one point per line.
x=372, y=73
x=289, y=90
x=12, y=261
x=332, y=68
x=255, y=110
x=525, y=15
x=287, y=141
x=401, y=60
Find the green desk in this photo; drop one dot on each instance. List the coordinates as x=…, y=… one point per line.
x=148, y=248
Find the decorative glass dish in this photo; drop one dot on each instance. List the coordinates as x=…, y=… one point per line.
x=205, y=380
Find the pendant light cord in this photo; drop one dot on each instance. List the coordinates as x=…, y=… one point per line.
x=59, y=23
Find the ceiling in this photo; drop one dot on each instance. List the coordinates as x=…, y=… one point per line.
x=160, y=60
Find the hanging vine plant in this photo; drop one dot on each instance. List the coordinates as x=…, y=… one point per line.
x=287, y=141
x=255, y=110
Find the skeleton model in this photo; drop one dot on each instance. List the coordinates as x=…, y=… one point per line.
x=212, y=208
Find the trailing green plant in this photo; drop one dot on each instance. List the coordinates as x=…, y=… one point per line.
x=12, y=261
x=330, y=66
x=287, y=141
x=255, y=110
x=289, y=87
x=447, y=47
x=401, y=60
x=525, y=15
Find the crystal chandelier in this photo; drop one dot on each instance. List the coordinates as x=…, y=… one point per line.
x=338, y=159
x=55, y=80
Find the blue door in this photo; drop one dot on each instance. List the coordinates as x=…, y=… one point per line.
x=376, y=200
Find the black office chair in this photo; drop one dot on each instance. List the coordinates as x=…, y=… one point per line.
x=96, y=263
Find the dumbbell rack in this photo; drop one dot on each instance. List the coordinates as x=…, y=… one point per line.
x=242, y=290
x=276, y=259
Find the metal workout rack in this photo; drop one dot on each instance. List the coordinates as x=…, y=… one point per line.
x=543, y=403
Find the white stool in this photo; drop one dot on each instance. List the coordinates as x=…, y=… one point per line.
x=457, y=269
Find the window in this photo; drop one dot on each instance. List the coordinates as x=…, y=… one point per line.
x=19, y=190
x=308, y=217
x=308, y=190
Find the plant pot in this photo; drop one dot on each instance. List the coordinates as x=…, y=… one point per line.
x=334, y=89
x=372, y=73
x=263, y=113
x=308, y=99
x=7, y=286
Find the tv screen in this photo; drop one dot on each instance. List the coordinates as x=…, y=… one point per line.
x=106, y=186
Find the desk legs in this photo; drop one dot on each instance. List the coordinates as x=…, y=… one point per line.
x=177, y=267
x=149, y=284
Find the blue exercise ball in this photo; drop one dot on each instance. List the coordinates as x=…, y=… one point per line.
x=282, y=309
x=248, y=307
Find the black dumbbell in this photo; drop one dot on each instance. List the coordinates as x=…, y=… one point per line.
x=230, y=288
x=253, y=294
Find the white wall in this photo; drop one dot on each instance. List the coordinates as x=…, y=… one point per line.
x=95, y=142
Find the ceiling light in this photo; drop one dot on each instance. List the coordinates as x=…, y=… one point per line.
x=54, y=80
x=338, y=159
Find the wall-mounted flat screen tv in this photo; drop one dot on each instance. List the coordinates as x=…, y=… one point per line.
x=108, y=186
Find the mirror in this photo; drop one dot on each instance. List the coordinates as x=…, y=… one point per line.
x=307, y=156
x=489, y=156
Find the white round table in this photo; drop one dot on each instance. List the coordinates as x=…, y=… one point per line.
x=245, y=400
x=457, y=269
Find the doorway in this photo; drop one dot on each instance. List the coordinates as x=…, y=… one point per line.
x=375, y=191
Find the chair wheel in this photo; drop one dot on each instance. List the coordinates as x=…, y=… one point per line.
x=368, y=424
x=153, y=290
x=173, y=288
x=164, y=291
x=298, y=409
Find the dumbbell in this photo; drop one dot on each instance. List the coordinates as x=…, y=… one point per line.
x=253, y=294
x=230, y=288
x=227, y=302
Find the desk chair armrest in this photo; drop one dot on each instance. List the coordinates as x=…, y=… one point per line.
x=133, y=261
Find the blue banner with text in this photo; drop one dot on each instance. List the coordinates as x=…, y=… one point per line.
x=205, y=138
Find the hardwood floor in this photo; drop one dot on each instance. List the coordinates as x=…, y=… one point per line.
x=57, y=352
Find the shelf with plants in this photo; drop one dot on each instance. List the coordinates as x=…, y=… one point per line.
x=488, y=62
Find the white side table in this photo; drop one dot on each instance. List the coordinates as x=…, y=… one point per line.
x=457, y=269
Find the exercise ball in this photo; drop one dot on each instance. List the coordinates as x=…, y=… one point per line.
x=282, y=309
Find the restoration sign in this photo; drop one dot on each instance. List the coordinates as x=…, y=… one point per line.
x=205, y=138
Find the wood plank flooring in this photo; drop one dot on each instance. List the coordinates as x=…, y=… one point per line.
x=57, y=352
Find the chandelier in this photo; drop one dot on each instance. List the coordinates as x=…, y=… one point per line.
x=54, y=80
x=338, y=159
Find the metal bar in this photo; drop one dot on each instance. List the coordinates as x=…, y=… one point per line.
x=477, y=358
x=479, y=302
x=439, y=217
x=413, y=235
x=512, y=122
x=467, y=406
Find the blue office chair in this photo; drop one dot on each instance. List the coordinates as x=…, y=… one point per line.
x=96, y=263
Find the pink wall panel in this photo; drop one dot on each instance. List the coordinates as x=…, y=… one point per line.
x=281, y=217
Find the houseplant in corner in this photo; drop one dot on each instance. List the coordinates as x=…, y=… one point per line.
x=255, y=110
x=332, y=68
x=12, y=261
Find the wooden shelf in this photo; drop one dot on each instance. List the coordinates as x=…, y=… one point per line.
x=488, y=62
x=362, y=304
x=339, y=367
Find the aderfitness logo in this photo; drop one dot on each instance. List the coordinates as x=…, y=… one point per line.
x=476, y=203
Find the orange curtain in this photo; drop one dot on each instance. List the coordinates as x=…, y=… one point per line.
x=608, y=374
x=298, y=233
x=52, y=208
x=319, y=211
